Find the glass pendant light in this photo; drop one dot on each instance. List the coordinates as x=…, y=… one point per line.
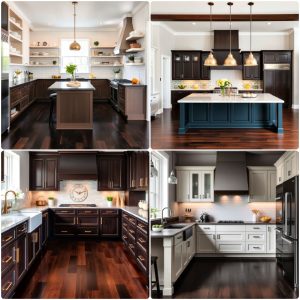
x=210, y=60
x=230, y=60
x=75, y=46
x=250, y=60
x=172, y=178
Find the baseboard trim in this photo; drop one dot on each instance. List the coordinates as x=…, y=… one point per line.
x=237, y=255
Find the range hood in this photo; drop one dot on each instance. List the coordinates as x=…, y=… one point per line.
x=122, y=45
x=77, y=166
x=231, y=175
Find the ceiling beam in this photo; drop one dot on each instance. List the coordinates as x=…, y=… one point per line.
x=222, y=18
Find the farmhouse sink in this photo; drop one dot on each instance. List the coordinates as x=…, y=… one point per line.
x=175, y=226
x=35, y=218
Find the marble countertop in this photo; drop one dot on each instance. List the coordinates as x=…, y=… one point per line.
x=11, y=220
x=217, y=98
x=131, y=85
x=20, y=82
x=62, y=86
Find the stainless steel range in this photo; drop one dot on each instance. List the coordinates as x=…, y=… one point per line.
x=114, y=91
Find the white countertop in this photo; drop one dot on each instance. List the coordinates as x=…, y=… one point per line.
x=217, y=98
x=9, y=221
x=62, y=86
x=170, y=232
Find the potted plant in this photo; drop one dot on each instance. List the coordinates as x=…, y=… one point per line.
x=223, y=84
x=96, y=43
x=70, y=69
x=117, y=72
x=109, y=201
x=51, y=201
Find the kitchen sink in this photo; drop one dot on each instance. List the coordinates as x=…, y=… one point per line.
x=35, y=218
x=175, y=226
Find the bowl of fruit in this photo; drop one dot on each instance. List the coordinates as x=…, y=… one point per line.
x=157, y=228
x=265, y=219
x=181, y=86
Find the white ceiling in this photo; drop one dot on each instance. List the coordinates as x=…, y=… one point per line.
x=105, y=15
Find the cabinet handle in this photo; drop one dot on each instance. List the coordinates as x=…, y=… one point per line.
x=101, y=220
x=22, y=230
x=179, y=237
x=7, y=259
x=17, y=255
x=7, y=286
x=141, y=258
x=214, y=236
x=8, y=238
x=256, y=236
x=87, y=231
x=124, y=237
x=64, y=231
x=256, y=228
x=206, y=227
x=218, y=236
x=35, y=237
x=141, y=240
x=289, y=173
x=256, y=247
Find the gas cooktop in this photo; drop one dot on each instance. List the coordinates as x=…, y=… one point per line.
x=77, y=205
x=228, y=221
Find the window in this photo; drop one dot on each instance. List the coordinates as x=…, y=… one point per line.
x=80, y=58
x=11, y=172
x=159, y=188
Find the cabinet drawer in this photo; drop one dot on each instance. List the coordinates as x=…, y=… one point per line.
x=143, y=227
x=256, y=236
x=230, y=236
x=7, y=237
x=206, y=228
x=63, y=219
x=8, y=283
x=132, y=220
x=142, y=259
x=131, y=248
x=178, y=238
x=255, y=247
x=65, y=211
x=88, y=230
x=125, y=226
x=223, y=228
x=255, y=227
x=109, y=212
x=21, y=229
x=87, y=220
x=64, y=230
x=230, y=247
x=7, y=257
x=131, y=232
x=125, y=216
x=125, y=237
x=87, y=212
x=142, y=241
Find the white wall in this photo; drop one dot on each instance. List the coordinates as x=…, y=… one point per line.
x=294, y=44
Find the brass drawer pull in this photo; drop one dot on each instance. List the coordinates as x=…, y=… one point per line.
x=131, y=231
x=64, y=231
x=125, y=237
x=141, y=258
x=141, y=240
x=22, y=230
x=131, y=246
x=7, y=259
x=7, y=239
x=88, y=231
x=17, y=255
x=7, y=286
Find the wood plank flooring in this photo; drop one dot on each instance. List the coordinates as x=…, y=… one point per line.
x=164, y=135
x=32, y=131
x=207, y=278
x=77, y=269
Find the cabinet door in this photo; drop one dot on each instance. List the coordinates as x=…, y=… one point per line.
x=252, y=73
x=207, y=192
x=291, y=166
x=258, y=185
x=280, y=173
x=104, y=182
x=117, y=172
x=177, y=68
x=205, y=71
x=187, y=66
x=230, y=247
x=37, y=174
x=109, y=226
x=45, y=228
x=196, y=74
x=51, y=182
x=177, y=263
x=195, y=186
x=272, y=185
x=271, y=238
x=21, y=248
x=206, y=243
x=30, y=249
x=183, y=186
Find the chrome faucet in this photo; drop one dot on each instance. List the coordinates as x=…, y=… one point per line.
x=162, y=215
x=6, y=208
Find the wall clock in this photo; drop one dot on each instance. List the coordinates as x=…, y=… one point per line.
x=79, y=193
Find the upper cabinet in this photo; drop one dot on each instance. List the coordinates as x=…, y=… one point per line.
x=287, y=166
x=195, y=184
x=277, y=57
x=262, y=184
x=205, y=71
x=43, y=172
x=252, y=73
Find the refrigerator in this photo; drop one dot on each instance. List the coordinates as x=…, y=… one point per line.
x=287, y=221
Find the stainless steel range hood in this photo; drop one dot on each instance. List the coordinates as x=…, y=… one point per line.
x=231, y=175
x=122, y=45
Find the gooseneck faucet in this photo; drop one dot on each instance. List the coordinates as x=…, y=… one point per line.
x=162, y=215
x=6, y=208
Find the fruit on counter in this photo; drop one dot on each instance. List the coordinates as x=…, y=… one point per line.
x=56, y=77
x=195, y=86
x=135, y=80
x=157, y=227
x=265, y=219
x=247, y=86
x=92, y=76
x=181, y=86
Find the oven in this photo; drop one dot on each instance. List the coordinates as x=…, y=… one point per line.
x=114, y=94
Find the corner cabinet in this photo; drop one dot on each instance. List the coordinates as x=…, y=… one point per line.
x=262, y=184
x=195, y=184
x=287, y=166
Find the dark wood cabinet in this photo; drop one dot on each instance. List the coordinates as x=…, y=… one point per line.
x=205, y=71
x=102, y=87
x=111, y=172
x=21, y=265
x=109, y=223
x=41, y=89
x=43, y=172
x=186, y=65
x=277, y=57
x=252, y=73
x=45, y=228
x=33, y=245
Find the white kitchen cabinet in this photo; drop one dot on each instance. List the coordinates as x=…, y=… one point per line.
x=206, y=243
x=271, y=239
x=183, y=186
x=287, y=166
x=178, y=255
x=230, y=247
x=262, y=184
x=195, y=184
x=187, y=251
x=280, y=172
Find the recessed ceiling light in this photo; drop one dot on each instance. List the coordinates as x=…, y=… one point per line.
x=269, y=23
x=194, y=23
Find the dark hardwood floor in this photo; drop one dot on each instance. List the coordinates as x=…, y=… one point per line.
x=32, y=131
x=164, y=135
x=84, y=269
x=232, y=278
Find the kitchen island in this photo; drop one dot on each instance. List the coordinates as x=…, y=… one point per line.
x=216, y=111
x=74, y=105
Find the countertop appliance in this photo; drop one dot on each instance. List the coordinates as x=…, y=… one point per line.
x=204, y=218
x=114, y=91
x=5, y=110
x=77, y=205
x=287, y=220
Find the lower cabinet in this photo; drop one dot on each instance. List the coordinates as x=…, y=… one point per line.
x=109, y=223
x=34, y=245
x=45, y=228
x=178, y=255
x=271, y=239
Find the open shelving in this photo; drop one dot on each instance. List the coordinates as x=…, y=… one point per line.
x=44, y=59
x=105, y=57
x=15, y=38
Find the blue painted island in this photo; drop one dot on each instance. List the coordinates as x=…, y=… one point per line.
x=216, y=111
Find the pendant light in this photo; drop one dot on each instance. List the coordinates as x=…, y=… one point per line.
x=250, y=60
x=75, y=46
x=210, y=60
x=172, y=178
x=230, y=60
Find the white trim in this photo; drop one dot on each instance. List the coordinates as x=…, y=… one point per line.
x=250, y=255
x=139, y=7
x=58, y=29
x=196, y=168
x=164, y=26
x=163, y=85
x=295, y=106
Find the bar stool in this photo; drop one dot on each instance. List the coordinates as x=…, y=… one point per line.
x=52, y=98
x=156, y=281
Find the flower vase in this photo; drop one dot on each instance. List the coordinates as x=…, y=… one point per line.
x=222, y=91
x=109, y=203
x=117, y=75
x=254, y=218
